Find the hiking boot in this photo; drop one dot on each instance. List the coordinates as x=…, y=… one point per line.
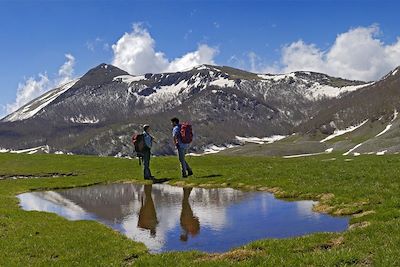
x=190, y=173
x=184, y=175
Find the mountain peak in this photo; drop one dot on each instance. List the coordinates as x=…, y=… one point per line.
x=104, y=66
x=102, y=74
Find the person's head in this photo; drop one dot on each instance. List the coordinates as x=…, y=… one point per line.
x=175, y=121
x=146, y=128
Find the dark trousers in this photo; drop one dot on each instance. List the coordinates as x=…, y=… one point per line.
x=146, y=163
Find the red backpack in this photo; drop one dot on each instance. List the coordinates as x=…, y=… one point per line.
x=186, y=133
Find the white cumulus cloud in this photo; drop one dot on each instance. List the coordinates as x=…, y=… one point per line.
x=66, y=71
x=33, y=87
x=203, y=55
x=357, y=54
x=28, y=90
x=135, y=53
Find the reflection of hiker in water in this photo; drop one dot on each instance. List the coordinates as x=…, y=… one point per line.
x=189, y=223
x=147, y=213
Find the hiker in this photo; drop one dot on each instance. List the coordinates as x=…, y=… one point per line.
x=148, y=142
x=182, y=144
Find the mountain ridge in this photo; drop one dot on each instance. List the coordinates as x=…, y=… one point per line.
x=98, y=113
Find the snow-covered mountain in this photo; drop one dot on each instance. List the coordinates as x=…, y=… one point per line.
x=97, y=113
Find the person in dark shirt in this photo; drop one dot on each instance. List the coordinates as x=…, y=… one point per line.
x=148, y=143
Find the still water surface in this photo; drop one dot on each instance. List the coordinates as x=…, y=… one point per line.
x=168, y=218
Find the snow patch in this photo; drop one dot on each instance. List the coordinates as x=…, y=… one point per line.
x=351, y=150
x=395, y=113
x=128, y=79
x=84, y=120
x=264, y=140
x=223, y=82
x=303, y=155
x=385, y=130
x=276, y=77
x=328, y=151
x=213, y=149
x=395, y=71
x=342, y=132
x=32, y=150
x=202, y=67
x=38, y=104
x=381, y=153
x=122, y=156
x=166, y=93
x=318, y=91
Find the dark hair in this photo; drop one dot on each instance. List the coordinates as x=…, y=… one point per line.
x=175, y=120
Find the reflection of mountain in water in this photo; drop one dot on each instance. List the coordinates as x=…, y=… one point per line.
x=215, y=197
x=109, y=202
x=115, y=202
x=149, y=213
x=169, y=218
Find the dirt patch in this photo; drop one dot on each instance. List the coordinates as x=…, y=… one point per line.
x=130, y=260
x=35, y=176
x=350, y=209
x=325, y=197
x=331, y=244
x=365, y=213
x=323, y=208
x=359, y=225
x=235, y=255
x=274, y=190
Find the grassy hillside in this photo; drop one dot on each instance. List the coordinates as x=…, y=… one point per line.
x=366, y=187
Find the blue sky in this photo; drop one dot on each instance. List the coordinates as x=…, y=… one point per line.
x=264, y=36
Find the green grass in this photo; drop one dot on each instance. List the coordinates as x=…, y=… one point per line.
x=367, y=187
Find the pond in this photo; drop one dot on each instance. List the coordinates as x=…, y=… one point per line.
x=169, y=218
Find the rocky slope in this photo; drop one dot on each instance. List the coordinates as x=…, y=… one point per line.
x=97, y=113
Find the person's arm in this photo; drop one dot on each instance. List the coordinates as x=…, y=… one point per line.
x=153, y=139
x=175, y=134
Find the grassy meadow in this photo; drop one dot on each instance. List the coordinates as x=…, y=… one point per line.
x=366, y=187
